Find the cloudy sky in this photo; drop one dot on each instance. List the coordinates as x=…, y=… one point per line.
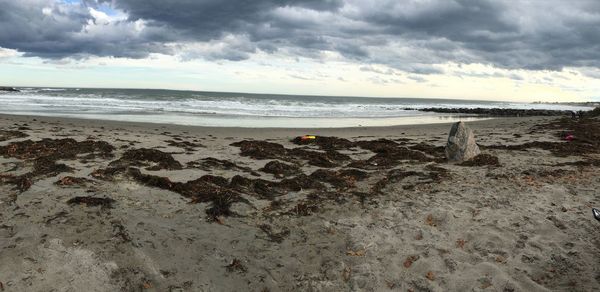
x=482, y=49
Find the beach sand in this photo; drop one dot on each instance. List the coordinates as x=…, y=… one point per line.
x=82, y=216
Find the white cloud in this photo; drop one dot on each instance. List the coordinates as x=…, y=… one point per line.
x=8, y=53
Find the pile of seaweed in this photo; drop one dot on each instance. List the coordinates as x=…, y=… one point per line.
x=280, y=169
x=341, y=179
x=92, y=201
x=431, y=174
x=73, y=181
x=482, y=160
x=585, y=133
x=211, y=163
x=388, y=153
x=268, y=150
x=337, y=176
x=325, y=142
x=44, y=155
x=142, y=157
x=152, y=159
x=221, y=192
x=6, y=135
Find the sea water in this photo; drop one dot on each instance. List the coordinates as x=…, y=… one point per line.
x=241, y=109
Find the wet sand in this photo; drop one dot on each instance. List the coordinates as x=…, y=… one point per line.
x=151, y=207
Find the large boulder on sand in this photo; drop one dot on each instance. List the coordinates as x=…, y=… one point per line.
x=461, y=143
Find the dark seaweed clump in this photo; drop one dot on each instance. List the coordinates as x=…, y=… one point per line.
x=211, y=163
x=341, y=179
x=222, y=193
x=433, y=174
x=324, y=142
x=280, y=169
x=188, y=146
x=44, y=155
x=387, y=155
x=71, y=180
x=92, y=202
x=6, y=135
x=140, y=157
x=482, y=160
x=55, y=149
x=269, y=150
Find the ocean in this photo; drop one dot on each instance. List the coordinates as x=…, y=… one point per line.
x=225, y=109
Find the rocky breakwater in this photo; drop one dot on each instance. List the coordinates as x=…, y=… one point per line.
x=497, y=112
x=9, y=89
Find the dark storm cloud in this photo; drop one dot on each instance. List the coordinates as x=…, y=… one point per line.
x=411, y=35
x=54, y=29
x=208, y=19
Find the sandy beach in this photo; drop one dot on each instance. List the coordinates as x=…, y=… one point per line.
x=112, y=206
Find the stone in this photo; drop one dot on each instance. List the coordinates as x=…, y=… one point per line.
x=461, y=144
x=4, y=88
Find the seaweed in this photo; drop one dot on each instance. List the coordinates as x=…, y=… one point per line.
x=221, y=205
x=45, y=153
x=433, y=174
x=21, y=182
x=138, y=157
x=236, y=266
x=48, y=166
x=329, y=158
x=70, y=180
x=205, y=189
x=211, y=163
x=55, y=149
x=268, y=150
x=482, y=160
x=437, y=152
x=280, y=169
x=266, y=189
x=277, y=237
x=6, y=135
x=388, y=157
x=303, y=209
x=342, y=179
x=261, y=149
x=188, y=146
x=92, y=201
x=586, y=133
x=324, y=142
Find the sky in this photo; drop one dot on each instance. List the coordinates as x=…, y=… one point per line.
x=512, y=50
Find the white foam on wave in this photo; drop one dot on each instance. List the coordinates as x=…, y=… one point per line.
x=138, y=105
x=229, y=106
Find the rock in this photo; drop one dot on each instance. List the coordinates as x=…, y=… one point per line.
x=461, y=143
x=3, y=88
x=496, y=112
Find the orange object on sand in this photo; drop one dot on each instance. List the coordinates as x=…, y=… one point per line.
x=308, y=137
